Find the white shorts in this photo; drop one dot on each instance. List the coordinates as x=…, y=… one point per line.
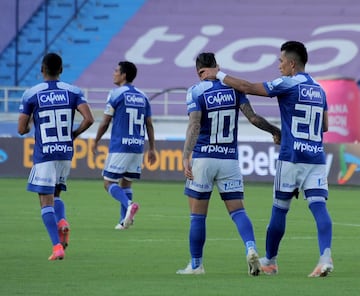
x=311, y=179
x=44, y=176
x=123, y=165
x=225, y=173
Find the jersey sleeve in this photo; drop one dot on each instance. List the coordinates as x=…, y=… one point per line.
x=25, y=106
x=109, y=108
x=243, y=99
x=192, y=102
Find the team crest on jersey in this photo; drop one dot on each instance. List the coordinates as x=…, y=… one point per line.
x=310, y=94
x=133, y=99
x=220, y=97
x=57, y=97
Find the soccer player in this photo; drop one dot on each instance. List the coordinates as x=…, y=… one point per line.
x=210, y=157
x=301, y=164
x=130, y=111
x=51, y=105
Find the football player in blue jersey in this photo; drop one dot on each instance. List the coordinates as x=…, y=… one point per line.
x=129, y=110
x=210, y=157
x=301, y=164
x=51, y=106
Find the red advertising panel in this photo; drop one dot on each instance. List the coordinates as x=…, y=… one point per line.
x=343, y=98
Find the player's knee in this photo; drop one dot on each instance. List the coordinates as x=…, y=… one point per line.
x=313, y=199
x=282, y=203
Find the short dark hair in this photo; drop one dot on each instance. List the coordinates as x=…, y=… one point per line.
x=297, y=48
x=206, y=60
x=129, y=69
x=52, y=64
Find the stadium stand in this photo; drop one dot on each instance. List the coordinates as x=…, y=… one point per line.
x=92, y=35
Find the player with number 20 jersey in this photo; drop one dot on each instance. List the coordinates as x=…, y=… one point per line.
x=302, y=102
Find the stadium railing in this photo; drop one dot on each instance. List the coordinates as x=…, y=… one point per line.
x=165, y=102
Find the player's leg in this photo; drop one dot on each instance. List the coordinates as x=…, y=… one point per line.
x=229, y=182
x=245, y=229
x=62, y=171
x=126, y=186
x=198, y=192
x=316, y=193
x=124, y=167
x=128, y=213
x=324, y=233
x=197, y=235
x=42, y=180
x=60, y=214
x=282, y=195
x=49, y=220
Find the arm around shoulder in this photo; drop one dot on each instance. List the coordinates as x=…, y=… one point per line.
x=242, y=85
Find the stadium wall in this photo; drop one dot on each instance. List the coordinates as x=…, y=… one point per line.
x=257, y=161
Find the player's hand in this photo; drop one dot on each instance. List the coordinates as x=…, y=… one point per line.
x=208, y=73
x=93, y=146
x=151, y=156
x=277, y=137
x=187, y=169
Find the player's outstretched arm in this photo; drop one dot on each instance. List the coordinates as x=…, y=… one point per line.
x=237, y=83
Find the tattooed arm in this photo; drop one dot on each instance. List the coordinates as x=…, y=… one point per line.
x=192, y=134
x=261, y=122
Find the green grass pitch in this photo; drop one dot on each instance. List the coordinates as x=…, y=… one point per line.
x=143, y=259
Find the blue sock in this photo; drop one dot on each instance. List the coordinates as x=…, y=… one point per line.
x=323, y=223
x=275, y=231
x=123, y=209
x=197, y=236
x=118, y=193
x=48, y=217
x=59, y=208
x=244, y=227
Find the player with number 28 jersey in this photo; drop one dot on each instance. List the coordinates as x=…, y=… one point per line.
x=53, y=105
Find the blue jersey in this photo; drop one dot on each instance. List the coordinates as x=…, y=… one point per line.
x=52, y=105
x=129, y=108
x=302, y=103
x=219, y=105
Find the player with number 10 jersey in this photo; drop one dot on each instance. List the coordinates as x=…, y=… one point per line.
x=220, y=110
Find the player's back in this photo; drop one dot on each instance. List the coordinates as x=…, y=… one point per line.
x=130, y=109
x=302, y=103
x=52, y=105
x=219, y=105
